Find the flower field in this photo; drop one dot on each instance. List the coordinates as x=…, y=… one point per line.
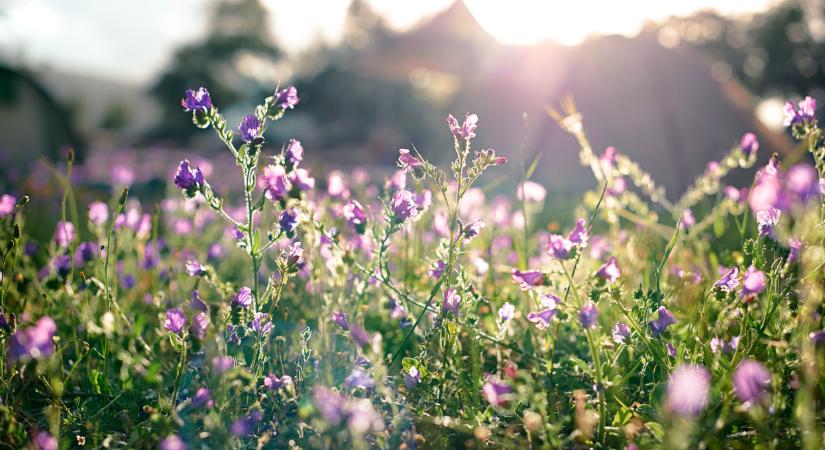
x=420, y=309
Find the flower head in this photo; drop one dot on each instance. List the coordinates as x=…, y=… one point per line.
x=750, y=381
x=749, y=144
x=355, y=216
x=340, y=318
x=196, y=100
x=472, y=229
x=452, y=301
x=529, y=279
x=203, y=397
x=753, y=281
x=7, y=204
x=620, y=332
x=767, y=219
x=200, y=323
x=661, y=324
x=187, y=179
x=579, y=235
x=175, y=320
x=466, y=130
x=172, y=442
x=98, y=213
x=64, y=234
x=588, y=316
x=412, y=377
x=34, y=342
x=403, y=205
x=275, y=182
x=287, y=98
x=294, y=152
x=244, y=297
x=560, y=246
x=687, y=390
x=496, y=392
x=805, y=113
x=273, y=382
x=729, y=281
x=250, y=128
x=531, y=192
x=506, y=312
x=610, y=270
x=261, y=323
x=45, y=441
x=289, y=220
x=406, y=161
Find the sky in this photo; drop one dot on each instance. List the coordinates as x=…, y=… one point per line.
x=132, y=40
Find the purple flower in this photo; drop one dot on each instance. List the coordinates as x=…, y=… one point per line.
x=98, y=213
x=753, y=281
x=355, y=216
x=244, y=297
x=610, y=270
x=261, y=323
x=496, y=392
x=473, y=228
x=529, y=279
x=222, y=364
x=466, y=130
x=588, y=316
x=531, y=192
x=749, y=144
x=200, y=323
x=489, y=154
x=661, y=324
x=407, y=161
x=196, y=100
x=727, y=347
x=175, y=320
x=243, y=426
x=412, y=378
x=340, y=318
x=803, y=181
x=294, y=256
x=85, y=252
x=560, y=246
x=750, y=381
x=194, y=268
x=358, y=335
x=729, y=281
x=805, y=113
x=202, y=398
x=62, y=265
x=187, y=179
x=452, y=301
x=7, y=204
x=817, y=337
x=45, y=441
x=34, y=342
x=250, y=128
x=579, y=235
x=688, y=221
x=795, y=246
x=403, y=205
x=171, y=442
x=288, y=221
x=275, y=182
x=287, y=98
x=300, y=179
x=687, y=390
x=64, y=234
x=767, y=219
x=358, y=378
x=620, y=332
x=542, y=318
x=272, y=382
x=331, y=405
x=294, y=152
x=506, y=312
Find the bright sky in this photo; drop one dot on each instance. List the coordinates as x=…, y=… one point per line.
x=133, y=40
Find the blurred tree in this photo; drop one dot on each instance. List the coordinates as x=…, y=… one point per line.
x=237, y=61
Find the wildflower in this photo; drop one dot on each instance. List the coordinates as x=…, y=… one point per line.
x=403, y=205
x=34, y=342
x=688, y=220
x=452, y=301
x=294, y=152
x=301, y=180
x=293, y=256
x=588, y=316
x=506, y=312
x=620, y=332
x=560, y=246
x=244, y=297
x=250, y=128
x=817, y=337
x=661, y=324
x=579, y=235
x=753, y=281
x=767, y=219
x=196, y=100
x=355, y=216
x=261, y=323
x=175, y=320
x=188, y=180
x=671, y=350
x=273, y=382
x=472, y=229
x=64, y=234
x=542, y=318
x=359, y=335
x=610, y=270
x=243, y=426
x=287, y=98
x=45, y=441
x=202, y=398
x=438, y=269
x=359, y=378
x=729, y=346
x=288, y=221
x=98, y=213
x=529, y=279
x=803, y=181
x=688, y=390
x=330, y=404
x=194, y=268
x=466, y=130
x=275, y=182
x=7, y=204
x=531, y=192
x=496, y=392
x=171, y=442
x=407, y=161
x=750, y=381
x=200, y=323
x=340, y=318
x=608, y=157
x=489, y=155
x=62, y=265
x=805, y=113
x=729, y=281
x=222, y=364
x=412, y=378
x=423, y=200
x=749, y=144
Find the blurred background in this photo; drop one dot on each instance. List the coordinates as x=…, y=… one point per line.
x=672, y=84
